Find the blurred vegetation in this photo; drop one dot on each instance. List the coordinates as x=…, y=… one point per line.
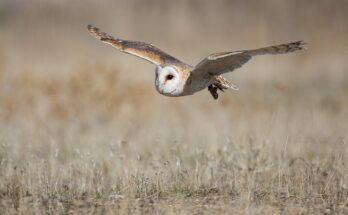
x=82, y=128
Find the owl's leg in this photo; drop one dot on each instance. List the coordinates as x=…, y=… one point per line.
x=213, y=91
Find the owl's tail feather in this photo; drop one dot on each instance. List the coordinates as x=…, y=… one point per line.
x=222, y=83
x=279, y=49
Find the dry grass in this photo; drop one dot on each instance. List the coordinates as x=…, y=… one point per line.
x=81, y=136
x=69, y=146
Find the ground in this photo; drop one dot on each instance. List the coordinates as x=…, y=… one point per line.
x=87, y=149
x=83, y=130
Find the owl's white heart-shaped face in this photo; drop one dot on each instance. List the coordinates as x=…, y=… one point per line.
x=168, y=81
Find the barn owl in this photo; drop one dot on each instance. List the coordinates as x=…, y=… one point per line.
x=175, y=78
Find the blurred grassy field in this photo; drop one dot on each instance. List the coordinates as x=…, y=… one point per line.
x=83, y=130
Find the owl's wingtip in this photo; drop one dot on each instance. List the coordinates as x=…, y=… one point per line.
x=302, y=45
x=91, y=28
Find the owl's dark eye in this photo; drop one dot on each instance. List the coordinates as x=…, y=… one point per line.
x=169, y=77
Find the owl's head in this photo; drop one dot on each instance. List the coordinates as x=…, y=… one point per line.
x=168, y=81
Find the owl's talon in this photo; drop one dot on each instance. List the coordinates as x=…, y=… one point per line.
x=213, y=91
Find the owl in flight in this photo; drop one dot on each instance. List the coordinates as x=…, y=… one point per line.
x=175, y=78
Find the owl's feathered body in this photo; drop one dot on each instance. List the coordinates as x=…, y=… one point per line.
x=175, y=78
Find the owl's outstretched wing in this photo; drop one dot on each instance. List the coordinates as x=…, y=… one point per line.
x=139, y=49
x=219, y=63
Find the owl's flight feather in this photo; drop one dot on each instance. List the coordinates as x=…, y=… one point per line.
x=140, y=49
x=223, y=62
